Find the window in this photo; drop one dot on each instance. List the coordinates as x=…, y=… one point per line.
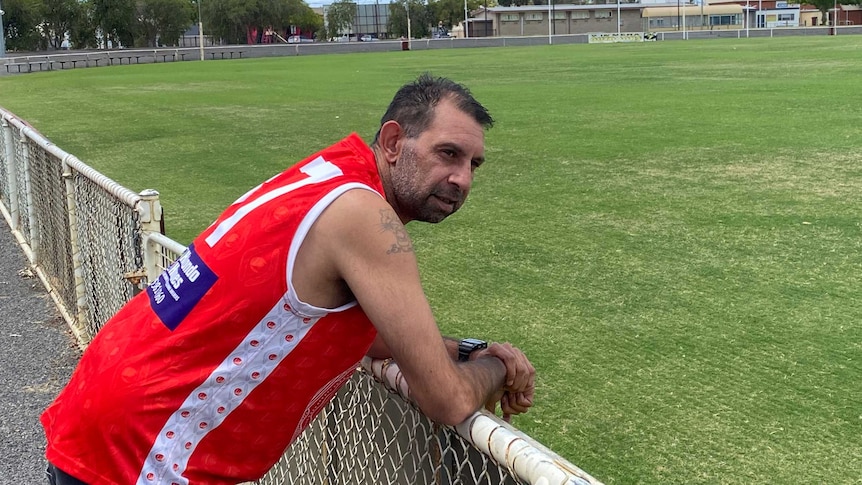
x=656, y=22
x=786, y=17
x=559, y=15
x=722, y=19
x=580, y=14
x=604, y=14
x=509, y=17
x=535, y=16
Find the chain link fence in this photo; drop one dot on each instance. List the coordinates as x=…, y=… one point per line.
x=94, y=244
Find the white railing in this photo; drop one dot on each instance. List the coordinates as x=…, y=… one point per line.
x=94, y=244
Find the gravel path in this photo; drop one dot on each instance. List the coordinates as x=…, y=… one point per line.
x=37, y=355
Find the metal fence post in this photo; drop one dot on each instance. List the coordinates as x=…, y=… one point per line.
x=79, y=326
x=11, y=174
x=34, y=235
x=150, y=210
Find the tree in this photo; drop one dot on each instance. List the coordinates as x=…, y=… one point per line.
x=824, y=6
x=340, y=17
x=450, y=12
x=58, y=17
x=115, y=19
x=82, y=29
x=20, y=22
x=223, y=19
x=421, y=18
x=234, y=20
x=162, y=22
x=304, y=18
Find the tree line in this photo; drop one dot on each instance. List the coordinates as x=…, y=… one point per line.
x=85, y=24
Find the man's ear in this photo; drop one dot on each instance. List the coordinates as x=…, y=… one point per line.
x=390, y=139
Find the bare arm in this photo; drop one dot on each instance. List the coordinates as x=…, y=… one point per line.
x=515, y=397
x=373, y=255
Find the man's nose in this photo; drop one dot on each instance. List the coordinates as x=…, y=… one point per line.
x=462, y=176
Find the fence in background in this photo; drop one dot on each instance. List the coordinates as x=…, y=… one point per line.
x=76, y=59
x=94, y=244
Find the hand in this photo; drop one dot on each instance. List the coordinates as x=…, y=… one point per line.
x=510, y=404
x=516, y=403
x=517, y=394
x=491, y=405
x=520, y=373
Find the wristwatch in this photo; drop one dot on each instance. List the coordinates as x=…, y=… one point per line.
x=469, y=345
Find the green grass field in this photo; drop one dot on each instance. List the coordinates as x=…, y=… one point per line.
x=671, y=230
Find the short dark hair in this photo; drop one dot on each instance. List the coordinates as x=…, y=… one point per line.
x=413, y=104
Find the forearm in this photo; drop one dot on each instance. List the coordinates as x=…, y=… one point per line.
x=480, y=379
x=451, y=346
x=484, y=376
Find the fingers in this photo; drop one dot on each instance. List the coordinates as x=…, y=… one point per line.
x=517, y=403
x=516, y=396
x=520, y=373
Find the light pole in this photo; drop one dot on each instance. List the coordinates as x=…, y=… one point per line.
x=683, y=20
x=619, y=20
x=466, y=29
x=486, y=20
x=200, y=30
x=835, y=18
x=2, y=36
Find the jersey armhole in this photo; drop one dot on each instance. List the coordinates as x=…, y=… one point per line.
x=301, y=233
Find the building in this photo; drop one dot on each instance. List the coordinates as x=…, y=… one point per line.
x=777, y=13
x=567, y=19
x=371, y=19
x=625, y=16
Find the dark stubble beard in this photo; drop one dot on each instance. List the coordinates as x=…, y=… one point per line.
x=412, y=198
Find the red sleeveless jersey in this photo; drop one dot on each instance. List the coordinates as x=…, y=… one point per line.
x=211, y=373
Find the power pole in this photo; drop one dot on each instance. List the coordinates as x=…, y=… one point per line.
x=2, y=35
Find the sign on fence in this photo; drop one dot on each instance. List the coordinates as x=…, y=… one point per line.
x=601, y=38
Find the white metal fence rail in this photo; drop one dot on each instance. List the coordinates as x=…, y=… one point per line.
x=94, y=244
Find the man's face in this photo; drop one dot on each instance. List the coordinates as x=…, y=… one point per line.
x=434, y=172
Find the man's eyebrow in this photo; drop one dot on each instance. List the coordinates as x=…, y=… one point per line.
x=460, y=151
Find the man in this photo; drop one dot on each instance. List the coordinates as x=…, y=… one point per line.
x=212, y=372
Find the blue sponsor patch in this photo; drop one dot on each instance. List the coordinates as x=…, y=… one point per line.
x=180, y=287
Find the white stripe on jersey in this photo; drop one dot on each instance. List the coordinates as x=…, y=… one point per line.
x=262, y=350
x=272, y=339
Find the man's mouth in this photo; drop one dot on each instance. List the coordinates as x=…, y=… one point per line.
x=452, y=203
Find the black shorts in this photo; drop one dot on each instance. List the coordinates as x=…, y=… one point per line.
x=59, y=477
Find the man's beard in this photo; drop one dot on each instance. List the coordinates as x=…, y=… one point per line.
x=416, y=201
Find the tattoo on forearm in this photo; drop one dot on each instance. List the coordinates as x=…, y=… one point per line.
x=389, y=223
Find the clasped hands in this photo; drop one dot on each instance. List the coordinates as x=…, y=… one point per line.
x=516, y=395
